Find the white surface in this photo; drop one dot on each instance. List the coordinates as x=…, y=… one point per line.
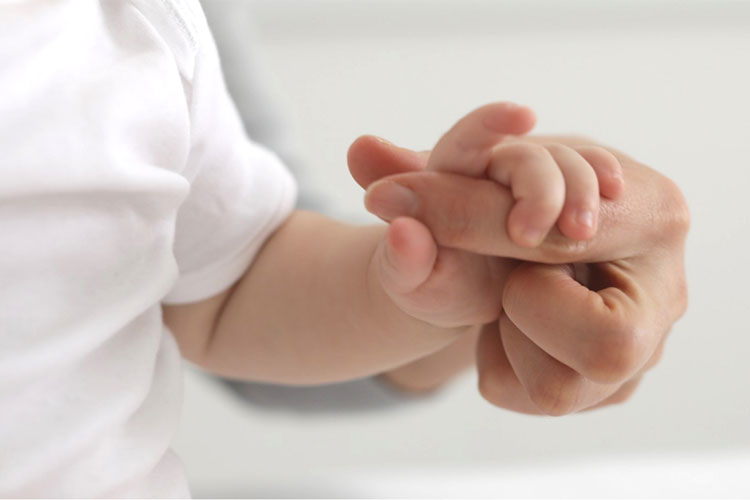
x=667, y=82
x=659, y=476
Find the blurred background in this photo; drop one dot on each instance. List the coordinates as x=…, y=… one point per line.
x=665, y=81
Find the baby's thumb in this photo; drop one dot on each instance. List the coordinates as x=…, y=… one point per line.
x=406, y=256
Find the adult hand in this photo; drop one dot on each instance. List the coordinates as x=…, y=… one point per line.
x=570, y=337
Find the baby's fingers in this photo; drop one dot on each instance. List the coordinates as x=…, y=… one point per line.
x=579, y=216
x=467, y=147
x=442, y=286
x=607, y=169
x=406, y=256
x=538, y=188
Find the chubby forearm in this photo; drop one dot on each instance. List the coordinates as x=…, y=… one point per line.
x=309, y=311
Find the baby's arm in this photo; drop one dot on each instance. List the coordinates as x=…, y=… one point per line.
x=324, y=301
x=309, y=310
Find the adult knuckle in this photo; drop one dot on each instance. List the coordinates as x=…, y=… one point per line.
x=618, y=353
x=681, y=296
x=680, y=210
x=675, y=212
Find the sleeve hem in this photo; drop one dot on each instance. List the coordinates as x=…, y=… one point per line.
x=211, y=281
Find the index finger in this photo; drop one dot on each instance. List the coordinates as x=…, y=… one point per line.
x=470, y=214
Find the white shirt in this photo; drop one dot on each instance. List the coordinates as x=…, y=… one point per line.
x=126, y=180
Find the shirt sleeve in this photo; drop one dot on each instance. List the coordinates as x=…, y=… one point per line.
x=240, y=192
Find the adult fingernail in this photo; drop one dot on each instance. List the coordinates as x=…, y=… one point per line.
x=388, y=200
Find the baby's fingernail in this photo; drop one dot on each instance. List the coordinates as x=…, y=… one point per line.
x=389, y=200
x=585, y=218
x=532, y=236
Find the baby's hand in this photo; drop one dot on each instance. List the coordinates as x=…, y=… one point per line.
x=448, y=287
x=550, y=183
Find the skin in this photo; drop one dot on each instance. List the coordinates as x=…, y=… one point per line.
x=325, y=301
x=408, y=298
x=357, y=301
x=569, y=337
x=550, y=183
x=308, y=317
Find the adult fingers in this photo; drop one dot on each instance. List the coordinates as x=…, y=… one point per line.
x=555, y=388
x=467, y=147
x=605, y=335
x=552, y=390
x=498, y=383
x=471, y=214
x=371, y=158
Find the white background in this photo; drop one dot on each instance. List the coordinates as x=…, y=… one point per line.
x=666, y=82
